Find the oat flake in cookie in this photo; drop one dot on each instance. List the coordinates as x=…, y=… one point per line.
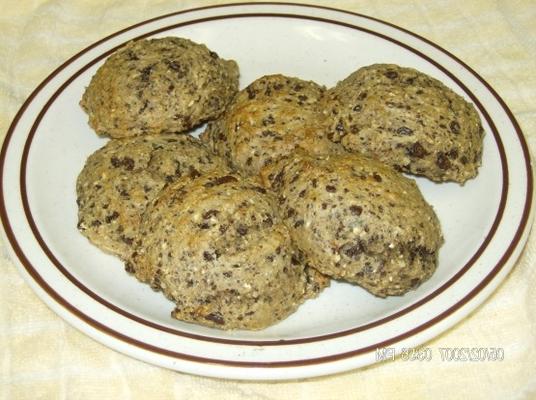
x=216, y=247
x=358, y=220
x=268, y=120
x=159, y=85
x=119, y=179
x=408, y=120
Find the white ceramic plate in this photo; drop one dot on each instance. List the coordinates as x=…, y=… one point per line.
x=485, y=222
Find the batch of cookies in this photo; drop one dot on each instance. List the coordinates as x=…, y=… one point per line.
x=289, y=186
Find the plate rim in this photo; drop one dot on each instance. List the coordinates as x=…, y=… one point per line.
x=506, y=257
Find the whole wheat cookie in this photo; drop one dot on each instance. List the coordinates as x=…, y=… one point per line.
x=268, y=120
x=158, y=85
x=216, y=247
x=408, y=120
x=121, y=178
x=356, y=219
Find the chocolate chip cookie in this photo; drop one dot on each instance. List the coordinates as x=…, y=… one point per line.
x=159, y=85
x=268, y=120
x=356, y=219
x=407, y=119
x=216, y=247
x=121, y=178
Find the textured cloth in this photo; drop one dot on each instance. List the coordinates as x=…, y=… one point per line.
x=42, y=357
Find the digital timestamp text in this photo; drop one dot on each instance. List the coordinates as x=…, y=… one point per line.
x=446, y=354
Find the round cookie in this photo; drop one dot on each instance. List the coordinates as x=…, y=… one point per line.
x=268, y=120
x=158, y=85
x=408, y=120
x=216, y=247
x=119, y=179
x=356, y=219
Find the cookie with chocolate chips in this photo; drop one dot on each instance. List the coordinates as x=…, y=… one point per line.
x=407, y=119
x=159, y=85
x=268, y=120
x=356, y=219
x=216, y=247
x=121, y=178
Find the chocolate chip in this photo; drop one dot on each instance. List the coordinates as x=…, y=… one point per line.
x=259, y=189
x=416, y=150
x=356, y=210
x=442, y=161
x=180, y=69
x=377, y=177
x=210, y=213
x=352, y=250
x=294, y=260
x=272, y=134
x=144, y=106
x=391, y=74
x=251, y=92
x=269, y=120
x=145, y=73
x=242, y=230
x=115, y=162
x=221, y=180
x=215, y=317
x=208, y=256
x=340, y=126
x=278, y=179
x=131, y=56
x=193, y=173
x=331, y=189
x=127, y=240
x=128, y=163
x=454, y=127
x=453, y=154
x=129, y=268
x=404, y=130
x=268, y=221
x=113, y=216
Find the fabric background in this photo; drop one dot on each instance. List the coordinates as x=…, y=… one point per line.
x=42, y=357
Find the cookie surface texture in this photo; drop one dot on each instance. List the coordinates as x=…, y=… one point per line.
x=268, y=120
x=158, y=85
x=216, y=248
x=408, y=120
x=121, y=178
x=358, y=220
